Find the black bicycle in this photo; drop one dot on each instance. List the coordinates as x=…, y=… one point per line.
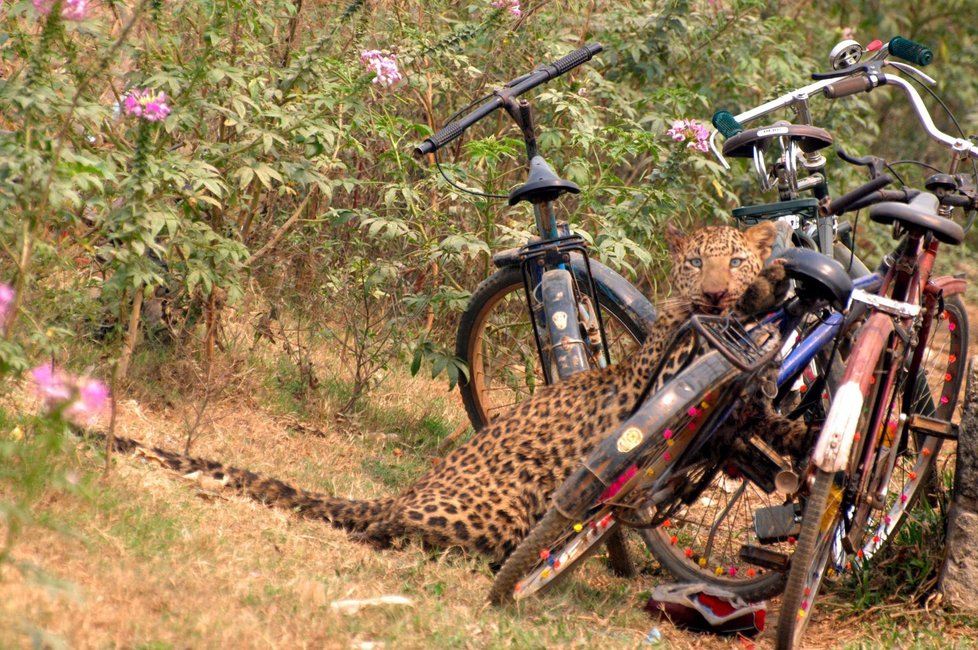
x=549, y=311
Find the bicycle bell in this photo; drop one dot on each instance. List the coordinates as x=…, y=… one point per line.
x=845, y=53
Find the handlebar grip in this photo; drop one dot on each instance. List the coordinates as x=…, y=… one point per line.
x=841, y=204
x=900, y=196
x=726, y=124
x=849, y=86
x=439, y=139
x=910, y=51
x=576, y=58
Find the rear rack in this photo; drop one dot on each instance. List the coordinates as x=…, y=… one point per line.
x=728, y=336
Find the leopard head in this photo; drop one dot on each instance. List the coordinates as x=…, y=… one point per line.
x=712, y=267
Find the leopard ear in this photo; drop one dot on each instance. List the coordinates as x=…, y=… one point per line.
x=762, y=238
x=674, y=238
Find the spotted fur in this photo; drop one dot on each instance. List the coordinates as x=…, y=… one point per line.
x=487, y=494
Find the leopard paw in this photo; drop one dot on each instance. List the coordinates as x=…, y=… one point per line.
x=766, y=291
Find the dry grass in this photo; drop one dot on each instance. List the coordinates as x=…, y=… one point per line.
x=154, y=561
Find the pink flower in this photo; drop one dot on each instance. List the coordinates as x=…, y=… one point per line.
x=144, y=104
x=81, y=399
x=512, y=5
x=6, y=303
x=384, y=67
x=70, y=9
x=52, y=385
x=692, y=130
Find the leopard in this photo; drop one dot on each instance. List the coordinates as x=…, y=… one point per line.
x=486, y=495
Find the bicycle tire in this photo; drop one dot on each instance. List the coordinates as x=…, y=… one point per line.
x=818, y=538
x=943, y=365
x=508, y=585
x=495, y=338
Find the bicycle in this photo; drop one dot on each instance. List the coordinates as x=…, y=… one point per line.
x=661, y=456
x=574, y=308
x=738, y=507
x=895, y=402
x=549, y=290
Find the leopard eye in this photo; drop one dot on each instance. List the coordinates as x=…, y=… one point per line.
x=695, y=262
x=736, y=261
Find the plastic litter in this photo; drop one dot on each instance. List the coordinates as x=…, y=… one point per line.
x=703, y=608
x=654, y=636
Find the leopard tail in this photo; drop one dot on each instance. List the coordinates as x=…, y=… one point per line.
x=352, y=515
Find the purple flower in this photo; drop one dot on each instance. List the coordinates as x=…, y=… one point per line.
x=384, y=67
x=146, y=105
x=81, y=399
x=7, y=295
x=512, y=5
x=692, y=130
x=70, y=9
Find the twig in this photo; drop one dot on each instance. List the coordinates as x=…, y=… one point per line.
x=284, y=228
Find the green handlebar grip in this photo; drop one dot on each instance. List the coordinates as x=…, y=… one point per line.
x=910, y=51
x=726, y=124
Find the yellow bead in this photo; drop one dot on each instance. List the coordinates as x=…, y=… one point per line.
x=578, y=528
x=702, y=561
x=718, y=571
x=545, y=573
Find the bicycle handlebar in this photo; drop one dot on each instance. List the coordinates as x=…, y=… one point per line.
x=862, y=77
x=509, y=90
x=847, y=200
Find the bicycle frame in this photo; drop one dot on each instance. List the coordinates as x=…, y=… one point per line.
x=834, y=444
x=609, y=460
x=558, y=249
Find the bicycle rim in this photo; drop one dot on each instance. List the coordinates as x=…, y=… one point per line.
x=496, y=340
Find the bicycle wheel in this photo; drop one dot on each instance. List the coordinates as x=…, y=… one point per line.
x=553, y=549
x=738, y=532
x=934, y=394
x=818, y=551
x=495, y=338
x=706, y=540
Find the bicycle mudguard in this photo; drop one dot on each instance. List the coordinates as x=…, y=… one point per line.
x=831, y=453
x=641, y=432
x=607, y=281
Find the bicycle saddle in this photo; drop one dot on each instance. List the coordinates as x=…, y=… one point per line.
x=818, y=276
x=921, y=213
x=542, y=184
x=809, y=138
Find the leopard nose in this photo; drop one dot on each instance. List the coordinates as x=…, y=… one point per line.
x=715, y=297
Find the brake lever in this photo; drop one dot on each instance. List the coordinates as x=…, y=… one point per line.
x=876, y=165
x=870, y=68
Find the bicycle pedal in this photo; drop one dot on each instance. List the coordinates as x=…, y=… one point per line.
x=775, y=524
x=764, y=557
x=929, y=426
